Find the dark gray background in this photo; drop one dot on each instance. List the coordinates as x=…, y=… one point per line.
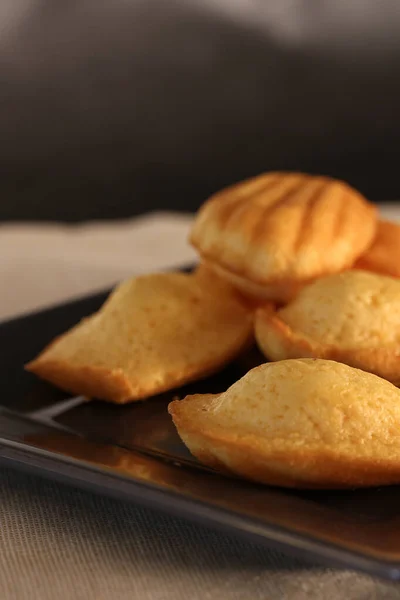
x=113, y=107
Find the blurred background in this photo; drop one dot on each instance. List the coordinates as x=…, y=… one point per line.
x=110, y=108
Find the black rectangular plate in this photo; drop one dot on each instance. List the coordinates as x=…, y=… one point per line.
x=133, y=452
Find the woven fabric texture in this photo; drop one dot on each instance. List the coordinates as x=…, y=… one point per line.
x=60, y=542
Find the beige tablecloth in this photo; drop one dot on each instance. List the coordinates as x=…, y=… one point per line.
x=61, y=543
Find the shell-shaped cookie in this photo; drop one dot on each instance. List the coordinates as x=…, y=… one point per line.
x=283, y=229
x=298, y=423
x=352, y=317
x=154, y=333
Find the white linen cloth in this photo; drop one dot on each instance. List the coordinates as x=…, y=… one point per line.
x=44, y=264
x=60, y=542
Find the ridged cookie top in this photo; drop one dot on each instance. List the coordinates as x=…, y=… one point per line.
x=354, y=309
x=284, y=226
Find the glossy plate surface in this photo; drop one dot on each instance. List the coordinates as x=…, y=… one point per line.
x=133, y=452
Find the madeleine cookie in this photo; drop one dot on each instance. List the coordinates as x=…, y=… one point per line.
x=298, y=423
x=384, y=254
x=352, y=317
x=154, y=333
x=272, y=234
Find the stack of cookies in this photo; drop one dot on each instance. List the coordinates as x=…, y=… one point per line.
x=314, y=256
x=303, y=266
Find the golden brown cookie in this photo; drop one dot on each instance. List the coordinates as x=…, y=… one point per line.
x=298, y=423
x=154, y=333
x=272, y=234
x=384, y=254
x=352, y=317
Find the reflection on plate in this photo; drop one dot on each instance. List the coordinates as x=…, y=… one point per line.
x=134, y=452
